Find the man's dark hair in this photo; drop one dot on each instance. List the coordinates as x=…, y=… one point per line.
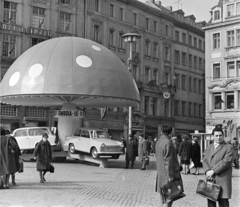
x=45, y=135
x=166, y=129
x=218, y=128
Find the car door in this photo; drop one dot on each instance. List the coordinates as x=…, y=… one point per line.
x=22, y=138
x=84, y=141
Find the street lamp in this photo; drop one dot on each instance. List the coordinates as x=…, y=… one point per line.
x=131, y=38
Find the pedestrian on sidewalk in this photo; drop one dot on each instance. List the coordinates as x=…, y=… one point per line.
x=196, y=155
x=217, y=164
x=131, y=151
x=43, y=154
x=236, y=147
x=184, y=153
x=142, y=150
x=167, y=163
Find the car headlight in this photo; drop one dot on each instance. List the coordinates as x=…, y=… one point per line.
x=102, y=146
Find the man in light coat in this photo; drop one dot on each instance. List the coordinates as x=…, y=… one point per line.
x=217, y=164
x=142, y=150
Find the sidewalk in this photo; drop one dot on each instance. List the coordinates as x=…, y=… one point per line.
x=76, y=184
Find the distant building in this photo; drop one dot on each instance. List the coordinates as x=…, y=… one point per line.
x=168, y=60
x=222, y=35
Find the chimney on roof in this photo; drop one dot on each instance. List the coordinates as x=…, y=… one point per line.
x=153, y=1
x=169, y=8
x=159, y=3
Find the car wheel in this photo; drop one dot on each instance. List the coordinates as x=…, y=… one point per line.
x=72, y=148
x=94, y=153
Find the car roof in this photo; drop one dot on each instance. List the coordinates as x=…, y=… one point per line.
x=31, y=128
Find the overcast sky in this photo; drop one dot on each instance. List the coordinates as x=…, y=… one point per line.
x=199, y=8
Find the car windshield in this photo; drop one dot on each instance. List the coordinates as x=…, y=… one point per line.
x=38, y=131
x=99, y=134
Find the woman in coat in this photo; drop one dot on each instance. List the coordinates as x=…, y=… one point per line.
x=196, y=155
x=43, y=154
x=131, y=151
x=184, y=153
x=167, y=163
x=217, y=164
x=142, y=150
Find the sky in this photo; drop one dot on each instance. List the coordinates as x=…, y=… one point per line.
x=199, y=8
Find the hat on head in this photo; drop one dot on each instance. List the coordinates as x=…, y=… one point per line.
x=235, y=138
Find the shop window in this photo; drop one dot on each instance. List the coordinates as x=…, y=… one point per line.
x=36, y=41
x=217, y=101
x=230, y=100
x=65, y=22
x=216, y=71
x=9, y=12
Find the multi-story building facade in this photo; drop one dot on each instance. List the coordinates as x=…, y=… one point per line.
x=223, y=67
x=166, y=96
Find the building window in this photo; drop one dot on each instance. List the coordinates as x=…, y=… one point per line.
x=111, y=10
x=65, y=22
x=184, y=108
x=9, y=46
x=177, y=36
x=121, y=14
x=147, y=46
x=134, y=46
x=166, y=30
x=65, y=1
x=238, y=35
x=184, y=38
x=111, y=37
x=166, y=108
x=166, y=53
x=216, y=71
x=230, y=10
x=38, y=17
x=135, y=18
x=195, y=110
x=216, y=15
x=200, y=64
x=195, y=62
x=147, y=75
x=155, y=75
x=190, y=109
x=184, y=58
x=217, y=101
x=10, y=12
x=200, y=111
x=96, y=6
x=155, y=26
x=195, y=42
x=199, y=86
x=190, y=60
x=230, y=100
x=134, y=72
x=36, y=41
x=195, y=85
x=34, y=112
x=216, y=41
x=200, y=44
x=10, y=111
x=96, y=33
x=230, y=69
x=177, y=57
x=121, y=40
x=190, y=40
x=146, y=105
x=230, y=38
x=176, y=108
x=190, y=84
x=155, y=49
x=238, y=9
x=154, y=106
x=167, y=77
x=238, y=68
x=183, y=82
x=176, y=81
x=147, y=23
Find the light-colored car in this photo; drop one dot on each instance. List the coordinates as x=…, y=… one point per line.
x=95, y=142
x=28, y=137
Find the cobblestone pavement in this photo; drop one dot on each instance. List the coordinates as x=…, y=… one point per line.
x=76, y=184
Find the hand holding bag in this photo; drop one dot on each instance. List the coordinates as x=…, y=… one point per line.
x=191, y=164
x=208, y=189
x=146, y=160
x=51, y=168
x=172, y=191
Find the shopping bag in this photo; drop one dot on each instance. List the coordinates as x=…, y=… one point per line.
x=146, y=160
x=51, y=169
x=191, y=165
x=172, y=191
x=208, y=189
x=20, y=166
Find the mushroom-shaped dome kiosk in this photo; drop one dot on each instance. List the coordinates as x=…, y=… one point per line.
x=69, y=71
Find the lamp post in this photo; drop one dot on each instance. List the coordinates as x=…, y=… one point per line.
x=131, y=38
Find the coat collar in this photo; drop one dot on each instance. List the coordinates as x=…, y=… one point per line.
x=219, y=147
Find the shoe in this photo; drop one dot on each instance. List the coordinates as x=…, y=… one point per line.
x=41, y=181
x=14, y=183
x=44, y=179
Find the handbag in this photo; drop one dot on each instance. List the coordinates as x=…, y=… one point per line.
x=51, y=169
x=208, y=189
x=172, y=191
x=20, y=165
x=191, y=164
x=146, y=160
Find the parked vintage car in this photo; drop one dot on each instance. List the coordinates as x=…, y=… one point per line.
x=95, y=142
x=28, y=137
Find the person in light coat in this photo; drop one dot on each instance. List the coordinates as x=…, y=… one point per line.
x=167, y=163
x=142, y=150
x=217, y=165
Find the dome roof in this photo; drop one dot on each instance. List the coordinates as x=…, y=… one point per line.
x=69, y=70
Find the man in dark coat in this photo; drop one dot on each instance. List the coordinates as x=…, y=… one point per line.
x=184, y=152
x=167, y=163
x=43, y=153
x=131, y=151
x=7, y=160
x=217, y=164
